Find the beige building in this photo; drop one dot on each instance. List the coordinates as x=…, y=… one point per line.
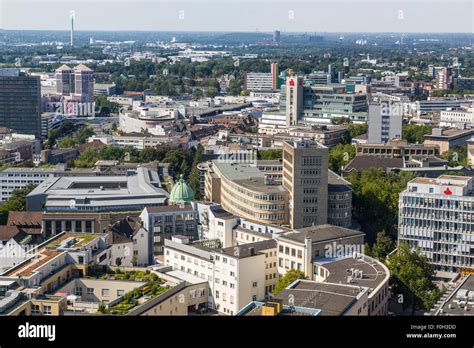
x=448, y=138
x=236, y=275
x=297, y=249
x=305, y=177
x=242, y=189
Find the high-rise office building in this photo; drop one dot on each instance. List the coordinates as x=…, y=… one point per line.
x=20, y=102
x=305, y=177
x=304, y=102
x=64, y=80
x=277, y=36
x=437, y=216
x=262, y=82
x=385, y=122
x=84, y=83
x=77, y=83
x=444, y=78
x=293, y=99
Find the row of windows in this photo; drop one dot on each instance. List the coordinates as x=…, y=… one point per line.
x=288, y=264
x=311, y=161
x=291, y=251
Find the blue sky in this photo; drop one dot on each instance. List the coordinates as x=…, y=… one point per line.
x=242, y=15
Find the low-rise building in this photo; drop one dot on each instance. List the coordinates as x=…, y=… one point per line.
x=397, y=149
x=448, y=138
x=98, y=194
x=458, y=300
x=299, y=248
x=129, y=243
x=164, y=222
x=236, y=275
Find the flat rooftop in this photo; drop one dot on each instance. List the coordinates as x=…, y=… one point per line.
x=330, y=299
x=143, y=188
x=245, y=250
x=443, y=180
x=373, y=272
x=49, y=250
x=320, y=233
x=456, y=300
x=192, y=279
x=451, y=133
x=248, y=176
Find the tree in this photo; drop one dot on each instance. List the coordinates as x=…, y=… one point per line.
x=16, y=202
x=134, y=261
x=83, y=134
x=118, y=261
x=211, y=92
x=357, y=129
x=383, y=246
x=340, y=120
x=287, y=279
x=456, y=156
x=101, y=103
x=414, y=133
x=198, y=94
x=53, y=135
x=194, y=180
x=66, y=142
x=270, y=154
x=375, y=199
x=340, y=155
x=413, y=277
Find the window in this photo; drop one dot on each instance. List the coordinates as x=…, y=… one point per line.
x=254, y=284
x=105, y=292
x=47, y=310
x=120, y=292
x=90, y=291
x=35, y=309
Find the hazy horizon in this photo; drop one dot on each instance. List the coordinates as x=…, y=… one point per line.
x=300, y=16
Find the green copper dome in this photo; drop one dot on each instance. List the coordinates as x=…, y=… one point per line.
x=181, y=192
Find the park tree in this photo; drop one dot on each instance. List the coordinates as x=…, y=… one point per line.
x=375, y=199
x=66, y=142
x=340, y=155
x=194, y=181
x=415, y=134
x=383, y=246
x=456, y=156
x=357, y=129
x=412, y=277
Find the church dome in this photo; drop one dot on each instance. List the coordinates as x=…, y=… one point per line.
x=181, y=192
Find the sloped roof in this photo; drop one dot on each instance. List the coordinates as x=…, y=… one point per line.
x=360, y=163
